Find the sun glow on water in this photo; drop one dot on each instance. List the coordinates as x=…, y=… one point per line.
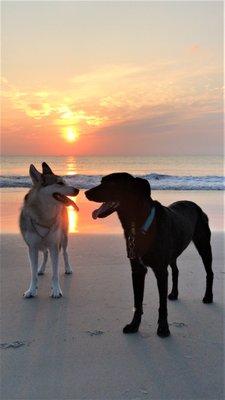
x=73, y=219
x=71, y=166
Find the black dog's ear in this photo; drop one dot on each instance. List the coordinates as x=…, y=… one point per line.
x=143, y=186
x=46, y=170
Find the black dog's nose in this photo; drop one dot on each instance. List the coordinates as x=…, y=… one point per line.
x=86, y=193
x=76, y=191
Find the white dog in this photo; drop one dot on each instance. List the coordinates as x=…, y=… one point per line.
x=44, y=224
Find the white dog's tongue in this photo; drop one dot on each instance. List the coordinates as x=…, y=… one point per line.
x=103, y=208
x=65, y=200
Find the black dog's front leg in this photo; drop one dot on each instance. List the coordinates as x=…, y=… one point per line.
x=162, y=282
x=138, y=279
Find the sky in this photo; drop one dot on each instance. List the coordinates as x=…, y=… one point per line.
x=112, y=78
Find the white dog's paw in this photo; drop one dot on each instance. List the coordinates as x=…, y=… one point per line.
x=30, y=293
x=68, y=270
x=56, y=292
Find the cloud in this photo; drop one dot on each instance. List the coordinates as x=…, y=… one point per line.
x=158, y=95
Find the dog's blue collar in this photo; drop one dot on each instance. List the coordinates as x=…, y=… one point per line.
x=145, y=227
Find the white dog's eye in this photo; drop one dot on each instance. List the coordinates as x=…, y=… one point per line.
x=60, y=183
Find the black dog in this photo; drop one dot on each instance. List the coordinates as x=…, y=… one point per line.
x=155, y=236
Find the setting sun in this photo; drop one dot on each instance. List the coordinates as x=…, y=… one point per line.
x=70, y=134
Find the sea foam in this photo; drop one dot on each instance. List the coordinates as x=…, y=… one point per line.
x=157, y=181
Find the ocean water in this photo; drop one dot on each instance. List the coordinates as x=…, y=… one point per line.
x=198, y=179
x=163, y=173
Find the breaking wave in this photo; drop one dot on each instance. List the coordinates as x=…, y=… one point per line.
x=157, y=181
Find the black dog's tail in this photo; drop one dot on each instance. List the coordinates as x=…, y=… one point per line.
x=202, y=230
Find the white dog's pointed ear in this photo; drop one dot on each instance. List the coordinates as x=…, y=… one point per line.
x=46, y=169
x=34, y=174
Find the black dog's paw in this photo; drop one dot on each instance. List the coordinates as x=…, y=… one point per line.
x=173, y=296
x=131, y=328
x=163, y=331
x=208, y=299
x=135, y=323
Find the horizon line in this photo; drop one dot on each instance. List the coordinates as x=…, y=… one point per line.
x=112, y=155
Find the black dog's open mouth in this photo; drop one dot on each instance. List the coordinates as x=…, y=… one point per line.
x=105, y=209
x=65, y=200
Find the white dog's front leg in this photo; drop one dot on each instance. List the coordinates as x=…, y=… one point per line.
x=56, y=290
x=33, y=255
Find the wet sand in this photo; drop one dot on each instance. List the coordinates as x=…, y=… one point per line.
x=212, y=202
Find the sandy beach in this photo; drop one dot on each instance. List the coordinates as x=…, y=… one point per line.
x=74, y=348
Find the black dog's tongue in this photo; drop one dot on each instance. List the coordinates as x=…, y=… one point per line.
x=104, y=208
x=65, y=200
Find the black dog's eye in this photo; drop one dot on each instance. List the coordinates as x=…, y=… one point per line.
x=60, y=183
